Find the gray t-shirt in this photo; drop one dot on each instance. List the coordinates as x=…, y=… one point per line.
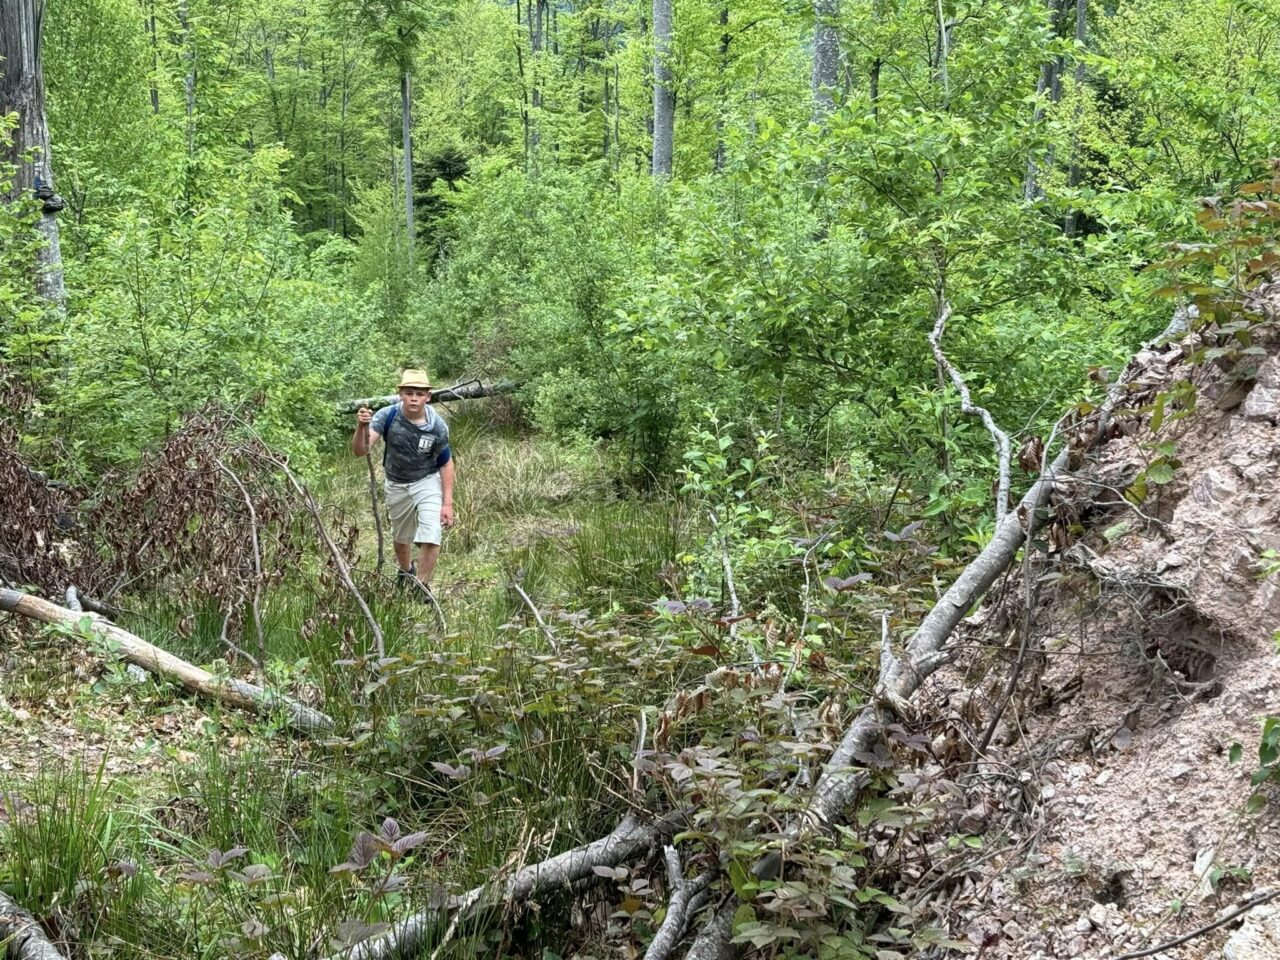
x=413, y=450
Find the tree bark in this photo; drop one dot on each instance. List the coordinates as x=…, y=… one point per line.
x=22, y=93
x=235, y=693
x=23, y=935
x=467, y=391
x=1073, y=174
x=406, y=129
x=826, y=57
x=628, y=841
x=664, y=94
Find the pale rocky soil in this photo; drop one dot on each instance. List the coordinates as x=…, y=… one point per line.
x=1157, y=652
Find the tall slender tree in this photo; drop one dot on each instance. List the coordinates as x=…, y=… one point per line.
x=22, y=93
x=826, y=56
x=664, y=94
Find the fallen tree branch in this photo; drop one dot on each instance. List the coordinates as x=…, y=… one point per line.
x=472, y=390
x=1245, y=907
x=683, y=894
x=630, y=840
x=257, y=568
x=998, y=436
x=22, y=935
x=528, y=602
x=842, y=781
x=236, y=693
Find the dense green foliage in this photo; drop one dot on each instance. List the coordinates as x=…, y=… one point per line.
x=748, y=336
x=235, y=227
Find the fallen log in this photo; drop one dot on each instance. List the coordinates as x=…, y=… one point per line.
x=22, y=935
x=236, y=693
x=466, y=391
x=628, y=841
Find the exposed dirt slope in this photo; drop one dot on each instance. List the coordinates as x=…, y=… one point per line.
x=1152, y=653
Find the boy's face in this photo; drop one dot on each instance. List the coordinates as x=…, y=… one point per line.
x=414, y=399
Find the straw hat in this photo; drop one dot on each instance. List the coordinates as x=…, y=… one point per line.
x=415, y=378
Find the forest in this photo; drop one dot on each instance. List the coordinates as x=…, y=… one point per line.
x=864, y=417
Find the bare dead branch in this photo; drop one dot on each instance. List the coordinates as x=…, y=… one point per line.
x=546, y=630
x=630, y=840
x=998, y=436
x=1256, y=901
x=344, y=571
x=257, y=568
x=679, y=909
x=467, y=390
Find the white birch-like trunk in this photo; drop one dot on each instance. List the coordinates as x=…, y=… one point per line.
x=664, y=94
x=22, y=93
x=406, y=129
x=826, y=57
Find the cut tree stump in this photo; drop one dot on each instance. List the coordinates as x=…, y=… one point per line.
x=236, y=693
x=466, y=391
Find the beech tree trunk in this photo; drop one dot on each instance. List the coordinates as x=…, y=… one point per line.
x=664, y=94
x=22, y=93
x=406, y=129
x=826, y=57
x=1073, y=174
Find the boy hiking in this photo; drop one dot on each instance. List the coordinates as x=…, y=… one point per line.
x=419, y=473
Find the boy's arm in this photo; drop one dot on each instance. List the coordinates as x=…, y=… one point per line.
x=365, y=436
x=446, y=484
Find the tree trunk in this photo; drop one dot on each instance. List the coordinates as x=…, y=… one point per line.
x=1073, y=175
x=236, y=693
x=22, y=92
x=664, y=94
x=406, y=127
x=725, y=39
x=826, y=57
x=1047, y=83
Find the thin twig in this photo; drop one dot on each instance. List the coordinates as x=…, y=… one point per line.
x=1245, y=907
x=257, y=568
x=431, y=598
x=551, y=637
x=344, y=572
x=377, y=514
x=735, y=608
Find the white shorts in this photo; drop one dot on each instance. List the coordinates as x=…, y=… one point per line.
x=415, y=509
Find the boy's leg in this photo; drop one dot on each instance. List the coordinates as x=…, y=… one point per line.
x=428, y=553
x=428, y=497
x=404, y=522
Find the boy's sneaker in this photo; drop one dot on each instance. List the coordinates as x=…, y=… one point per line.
x=407, y=578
